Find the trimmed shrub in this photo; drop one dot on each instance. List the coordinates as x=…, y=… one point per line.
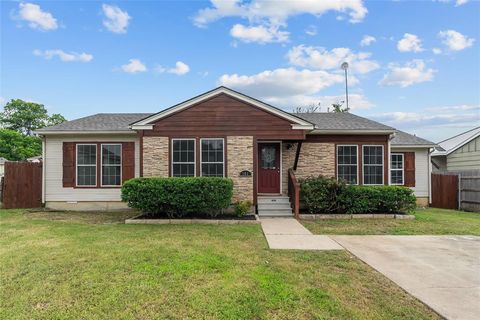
x=178, y=196
x=322, y=195
x=242, y=208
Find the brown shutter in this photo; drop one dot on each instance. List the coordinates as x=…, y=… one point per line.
x=68, y=164
x=409, y=169
x=128, y=161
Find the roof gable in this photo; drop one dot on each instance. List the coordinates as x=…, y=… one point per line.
x=451, y=144
x=296, y=122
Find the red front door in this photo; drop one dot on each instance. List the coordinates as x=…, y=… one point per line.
x=269, y=168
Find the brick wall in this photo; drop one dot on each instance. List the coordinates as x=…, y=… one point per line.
x=315, y=159
x=155, y=156
x=239, y=158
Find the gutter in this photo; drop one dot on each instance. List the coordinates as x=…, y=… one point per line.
x=46, y=132
x=354, y=131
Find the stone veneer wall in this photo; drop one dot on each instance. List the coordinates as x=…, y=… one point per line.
x=239, y=158
x=155, y=156
x=315, y=159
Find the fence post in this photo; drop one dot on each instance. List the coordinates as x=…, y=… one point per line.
x=459, y=191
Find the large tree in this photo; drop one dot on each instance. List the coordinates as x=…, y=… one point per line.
x=16, y=146
x=25, y=117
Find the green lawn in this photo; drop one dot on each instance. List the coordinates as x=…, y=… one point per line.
x=427, y=221
x=91, y=266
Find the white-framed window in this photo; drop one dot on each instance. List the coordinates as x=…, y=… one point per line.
x=373, y=165
x=212, y=157
x=397, y=169
x=86, y=155
x=183, y=157
x=111, y=170
x=347, y=163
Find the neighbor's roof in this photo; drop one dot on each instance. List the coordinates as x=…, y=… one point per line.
x=406, y=139
x=100, y=122
x=449, y=145
x=342, y=121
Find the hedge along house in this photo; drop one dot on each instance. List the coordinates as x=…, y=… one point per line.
x=225, y=133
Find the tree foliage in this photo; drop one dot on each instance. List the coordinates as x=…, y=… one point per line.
x=18, y=121
x=16, y=146
x=337, y=107
x=26, y=117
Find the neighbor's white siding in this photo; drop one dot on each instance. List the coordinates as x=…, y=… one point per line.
x=54, y=190
x=465, y=158
x=422, y=171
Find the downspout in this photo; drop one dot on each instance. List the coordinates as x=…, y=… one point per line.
x=44, y=162
x=389, y=173
x=429, y=159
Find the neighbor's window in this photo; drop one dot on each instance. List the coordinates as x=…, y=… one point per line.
x=212, y=161
x=86, y=164
x=347, y=163
x=111, y=164
x=183, y=157
x=372, y=164
x=396, y=169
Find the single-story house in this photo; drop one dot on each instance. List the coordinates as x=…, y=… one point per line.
x=228, y=134
x=458, y=153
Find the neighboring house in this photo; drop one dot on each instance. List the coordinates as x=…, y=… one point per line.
x=35, y=159
x=2, y=166
x=228, y=134
x=458, y=153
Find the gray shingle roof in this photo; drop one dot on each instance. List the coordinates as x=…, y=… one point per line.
x=341, y=121
x=324, y=121
x=405, y=139
x=99, y=122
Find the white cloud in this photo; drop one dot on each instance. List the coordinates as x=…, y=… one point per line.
x=260, y=34
x=64, y=56
x=134, y=66
x=409, y=43
x=180, y=68
x=266, y=17
x=37, y=19
x=457, y=2
x=367, y=40
x=277, y=12
x=115, y=20
x=432, y=116
x=284, y=86
x=437, y=51
x=454, y=40
x=3, y=101
x=412, y=72
x=311, y=30
x=320, y=58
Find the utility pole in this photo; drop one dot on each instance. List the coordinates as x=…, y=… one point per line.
x=344, y=66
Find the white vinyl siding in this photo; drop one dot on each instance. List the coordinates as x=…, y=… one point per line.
x=422, y=171
x=54, y=190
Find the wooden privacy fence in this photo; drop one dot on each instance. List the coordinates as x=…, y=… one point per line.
x=456, y=190
x=444, y=191
x=22, y=185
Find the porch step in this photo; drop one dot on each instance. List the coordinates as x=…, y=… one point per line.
x=274, y=206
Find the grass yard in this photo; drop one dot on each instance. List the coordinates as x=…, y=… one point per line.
x=429, y=221
x=90, y=266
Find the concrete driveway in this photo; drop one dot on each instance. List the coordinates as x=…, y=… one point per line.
x=441, y=271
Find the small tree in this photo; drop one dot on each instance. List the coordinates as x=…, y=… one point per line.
x=337, y=107
x=311, y=108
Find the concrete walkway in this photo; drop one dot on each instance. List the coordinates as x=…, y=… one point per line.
x=441, y=271
x=288, y=233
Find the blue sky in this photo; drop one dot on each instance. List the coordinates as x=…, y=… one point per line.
x=417, y=68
